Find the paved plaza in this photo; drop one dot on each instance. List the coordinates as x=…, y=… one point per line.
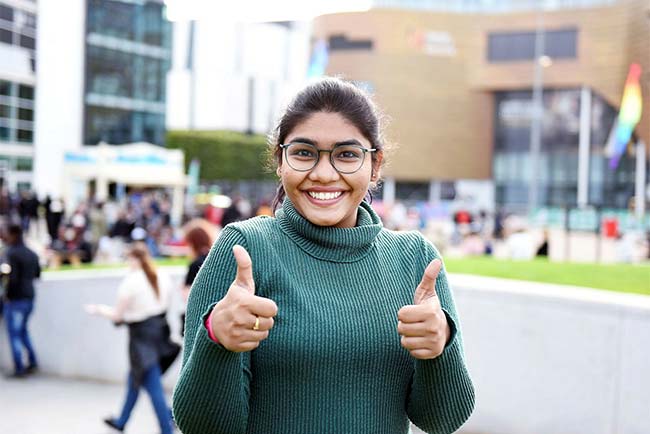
x=44, y=404
x=51, y=405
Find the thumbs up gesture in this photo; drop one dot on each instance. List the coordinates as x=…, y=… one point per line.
x=241, y=320
x=423, y=325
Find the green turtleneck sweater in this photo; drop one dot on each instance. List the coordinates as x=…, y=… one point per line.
x=333, y=362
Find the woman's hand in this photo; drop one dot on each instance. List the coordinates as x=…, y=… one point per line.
x=423, y=325
x=241, y=320
x=99, y=310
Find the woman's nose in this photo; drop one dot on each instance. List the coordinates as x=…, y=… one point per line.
x=324, y=171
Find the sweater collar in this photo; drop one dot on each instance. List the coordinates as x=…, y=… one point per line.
x=329, y=243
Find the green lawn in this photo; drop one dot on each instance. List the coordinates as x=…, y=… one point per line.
x=619, y=277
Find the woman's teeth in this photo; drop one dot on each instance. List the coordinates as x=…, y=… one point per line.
x=324, y=196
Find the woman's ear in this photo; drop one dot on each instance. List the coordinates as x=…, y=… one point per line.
x=376, y=167
x=278, y=171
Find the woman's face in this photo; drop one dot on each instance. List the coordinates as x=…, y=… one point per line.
x=322, y=195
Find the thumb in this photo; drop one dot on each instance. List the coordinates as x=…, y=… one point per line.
x=427, y=287
x=244, y=277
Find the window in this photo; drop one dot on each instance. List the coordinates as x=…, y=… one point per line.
x=412, y=191
x=5, y=88
x=25, y=114
x=6, y=13
x=16, y=115
x=27, y=42
x=25, y=136
x=24, y=163
x=6, y=36
x=341, y=42
x=518, y=46
x=141, y=21
x=26, y=92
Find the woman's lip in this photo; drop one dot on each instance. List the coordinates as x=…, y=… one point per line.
x=324, y=202
x=324, y=190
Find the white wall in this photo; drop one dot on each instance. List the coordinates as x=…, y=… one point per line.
x=226, y=55
x=69, y=342
x=544, y=359
x=555, y=360
x=59, y=94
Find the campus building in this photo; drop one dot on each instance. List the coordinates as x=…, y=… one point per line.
x=228, y=74
x=17, y=83
x=102, y=69
x=456, y=79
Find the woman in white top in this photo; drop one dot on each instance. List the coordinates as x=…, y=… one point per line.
x=142, y=302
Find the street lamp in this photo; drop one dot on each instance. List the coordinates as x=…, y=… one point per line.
x=537, y=112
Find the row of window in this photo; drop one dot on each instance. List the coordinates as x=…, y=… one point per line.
x=558, y=162
x=502, y=46
x=16, y=163
x=18, y=27
x=16, y=112
x=117, y=73
x=143, y=22
x=560, y=120
x=520, y=46
x=117, y=126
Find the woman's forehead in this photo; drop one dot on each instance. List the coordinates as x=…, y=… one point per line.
x=325, y=129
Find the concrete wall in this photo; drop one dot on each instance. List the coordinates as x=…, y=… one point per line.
x=71, y=343
x=555, y=360
x=544, y=358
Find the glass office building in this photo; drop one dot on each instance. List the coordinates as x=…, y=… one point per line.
x=17, y=91
x=128, y=55
x=558, y=162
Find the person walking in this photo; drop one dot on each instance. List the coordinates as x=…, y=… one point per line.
x=319, y=320
x=198, y=236
x=142, y=302
x=21, y=268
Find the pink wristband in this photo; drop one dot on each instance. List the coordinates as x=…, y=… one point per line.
x=208, y=326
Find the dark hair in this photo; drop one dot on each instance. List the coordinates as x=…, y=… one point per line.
x=329, y=95
x=15, y=232
x=140, y=252
x=199, y=239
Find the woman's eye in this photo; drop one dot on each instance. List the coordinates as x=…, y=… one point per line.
x=348, y=154
x=304, y=153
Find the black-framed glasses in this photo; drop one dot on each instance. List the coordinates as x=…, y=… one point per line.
x=345, y=158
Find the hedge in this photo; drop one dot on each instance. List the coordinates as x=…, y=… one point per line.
x=224, y=155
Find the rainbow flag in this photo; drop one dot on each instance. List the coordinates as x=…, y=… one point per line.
x=628, y=117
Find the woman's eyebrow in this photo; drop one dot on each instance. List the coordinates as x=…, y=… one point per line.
x=348, y=142
x=314, y=142
x=304, y=140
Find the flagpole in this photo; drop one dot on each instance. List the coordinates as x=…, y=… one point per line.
x=639, y=198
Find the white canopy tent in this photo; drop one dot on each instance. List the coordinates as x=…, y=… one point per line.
x=135, y=164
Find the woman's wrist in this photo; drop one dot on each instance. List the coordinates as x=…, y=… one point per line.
x=208, y=326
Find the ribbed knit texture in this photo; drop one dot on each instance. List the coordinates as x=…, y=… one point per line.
x=333, y=362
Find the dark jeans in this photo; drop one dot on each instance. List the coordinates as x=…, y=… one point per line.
x=152, y=383
x=17, y=314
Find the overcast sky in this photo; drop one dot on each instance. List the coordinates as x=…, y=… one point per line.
x=260, y=10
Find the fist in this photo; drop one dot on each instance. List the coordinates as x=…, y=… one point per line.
x=241, y=320
x=423, y=325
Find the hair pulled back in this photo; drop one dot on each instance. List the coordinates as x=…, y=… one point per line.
x=328, y=95
x=140, y=253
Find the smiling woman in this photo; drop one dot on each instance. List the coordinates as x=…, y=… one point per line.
x=319, y=320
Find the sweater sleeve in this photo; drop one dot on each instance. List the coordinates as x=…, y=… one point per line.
x=211, y=395
x=442, y=394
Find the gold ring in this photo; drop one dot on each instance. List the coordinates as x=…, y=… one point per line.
x=257, y=323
